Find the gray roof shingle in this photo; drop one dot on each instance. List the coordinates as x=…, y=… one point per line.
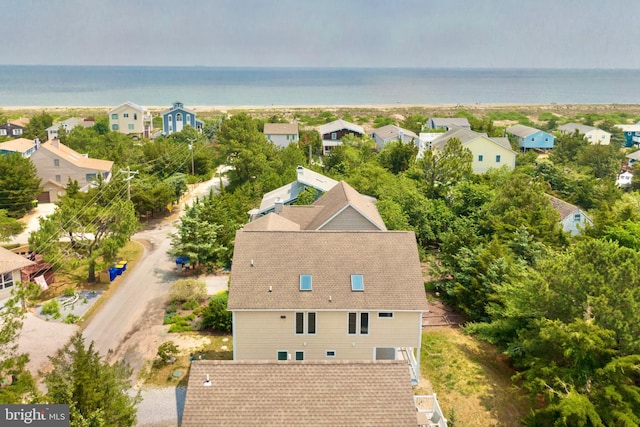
x=306, y=393
x=388, y=261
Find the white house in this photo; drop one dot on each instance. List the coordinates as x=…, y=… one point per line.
x=67, y=125
x=572, y=218
x=282, y=134
x=389, y=133
x=10, y=266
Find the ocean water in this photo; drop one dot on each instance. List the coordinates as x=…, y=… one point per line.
x=225, y=86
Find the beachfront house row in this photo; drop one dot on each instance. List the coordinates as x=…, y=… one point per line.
x=572, y=218
x=177, y=117
x=488, y=152
x=447, y=123
x=592, y=134
x=288, y=194
x=332, y=133
x=67, y=125
x=389, y=133
x=327, y=282
x=11, y=265
x=528, y=137
x=631, y=134
x=23, y=146
x=282, y=134
x=11, y=130
x=56, y=164
x=305, y=393
x=131, y=119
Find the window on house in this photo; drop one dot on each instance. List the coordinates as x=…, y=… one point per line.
x=480, y=157
x=334, y=135
x=58, y=178
x=546, y=139
x=17, y=131
x=125, y=115
x=131, y=126
x=311, y=323
x=56, y=162
x=283, y=355
x=577, y=217
x=90, y=177
x=114, y=117
x=299, y=355
x=299, y=323
x=352, y=323
x=385, y=314
x=178, y=117
x=364, y=323
x=6, y=280
x=331, y=353
x=498, y=158
x=305, y=282
x=3, y=131
x=357, y=283
x=115, y=127
x=187, y=118
x=135, y=116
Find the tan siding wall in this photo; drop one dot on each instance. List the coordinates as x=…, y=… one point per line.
x=43, y=160
x=349, y=219
x=123, y=123
x=260, y=335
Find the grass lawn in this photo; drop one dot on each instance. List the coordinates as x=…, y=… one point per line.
x=471, y=379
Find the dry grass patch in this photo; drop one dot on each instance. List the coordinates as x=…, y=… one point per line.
x=471, y=379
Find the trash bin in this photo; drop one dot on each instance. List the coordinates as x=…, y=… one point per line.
x=121, y=267
x=113, y=273
x=123, y=263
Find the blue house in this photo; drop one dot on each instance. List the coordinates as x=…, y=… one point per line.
x=631, y=134
x=177, y=117
x=529, y=137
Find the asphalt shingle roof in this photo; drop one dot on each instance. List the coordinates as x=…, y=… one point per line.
x=305, y=393
x=11, y=262
x=387, y=260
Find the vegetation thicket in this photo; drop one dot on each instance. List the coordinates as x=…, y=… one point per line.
x=563, y=310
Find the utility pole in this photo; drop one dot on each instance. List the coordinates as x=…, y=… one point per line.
x=191, y=141
x=130, y=175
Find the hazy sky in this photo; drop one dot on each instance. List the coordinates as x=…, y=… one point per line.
x=321, y=33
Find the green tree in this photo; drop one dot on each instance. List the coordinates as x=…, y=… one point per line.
x=441, y=170
x=397, y=156
x=9, y=227
x=98, y=393
x=566, y=148
x=414, y=123
x=19, y=184
x=215, y=315
x=37, y=126
x=602, y=161
x=92, y=228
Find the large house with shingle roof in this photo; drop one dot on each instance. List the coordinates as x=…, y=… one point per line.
x=297, y=393
x=327, y=282
x=57, y=164
x=10, y=266
x=11, y=129
x=288, y=194
x=67, y=126
x=488, y=152
x=592, y=134
x=282, y=134
x=572, y=218
x=391, y=133
x=177, y=117
x=528, y=137
x=131, y=119
x=332, y=133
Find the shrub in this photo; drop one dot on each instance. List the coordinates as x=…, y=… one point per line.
x=167, y=351
x=71, y=318
x=185, y=290
x=190, y=305
x=69, y=292
x=215, y=315
x=51, y=308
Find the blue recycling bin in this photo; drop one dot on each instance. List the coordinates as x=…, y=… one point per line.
x=113, y=273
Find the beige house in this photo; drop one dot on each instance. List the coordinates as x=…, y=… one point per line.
x=282, y=134
x=303, y=393
x=10, y=266
x=391, y=133
x=131, y=119
x=67, y=126
x=487, y=152
x=327, y=282
x=592, y=134
x=57, y=164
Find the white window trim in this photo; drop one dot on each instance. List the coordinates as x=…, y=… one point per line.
x=282, y=351
x=326, y=353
